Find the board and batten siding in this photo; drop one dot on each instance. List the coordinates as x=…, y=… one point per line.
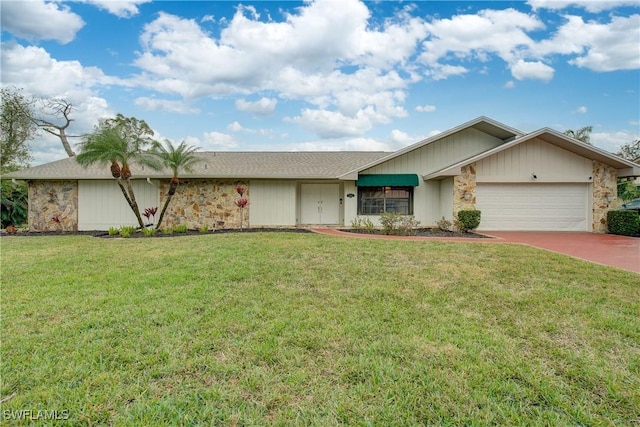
x=432, y=200
x=273, y=203
x=548, y=162
x=438, y=154
x=101, y=204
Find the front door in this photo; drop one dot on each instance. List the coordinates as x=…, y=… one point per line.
x=320, y=204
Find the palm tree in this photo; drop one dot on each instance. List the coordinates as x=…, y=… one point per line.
x=583, y=134
x=112, y=145
x=180, y=158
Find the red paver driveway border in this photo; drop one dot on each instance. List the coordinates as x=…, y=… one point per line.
x=606, y=249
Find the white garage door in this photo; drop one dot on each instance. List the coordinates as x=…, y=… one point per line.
x=101, y=204
x=533, y=206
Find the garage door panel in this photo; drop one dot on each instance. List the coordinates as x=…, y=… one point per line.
x=533, y=206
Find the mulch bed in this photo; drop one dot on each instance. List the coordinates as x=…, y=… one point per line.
x=421, y=232
x=425, y=232
x=104, y=234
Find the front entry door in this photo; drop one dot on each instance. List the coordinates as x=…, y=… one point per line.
x=320, y=204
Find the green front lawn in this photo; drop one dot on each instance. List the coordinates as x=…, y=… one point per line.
x=305, y=329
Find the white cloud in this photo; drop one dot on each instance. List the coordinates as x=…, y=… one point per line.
x=235, y=127
x=261, y=107
x=612, y=141
x=522, y=70
x=304, y=58
x=153, y=104
x=333, y=124
x=37, y=72
x=37, y=20
x=510, y=84
x=597, y=46
x=593, y=6
x=216, y=141
x=426, y=108
x=120, y=8
x=501, y=32
x=444, y=71
x=582, y=110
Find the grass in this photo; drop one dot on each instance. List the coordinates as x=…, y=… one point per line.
x=304, y=329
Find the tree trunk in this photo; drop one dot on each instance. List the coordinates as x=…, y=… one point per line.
x=173, y=186
x=65, y=143
x=133, y=203
x=164, y=209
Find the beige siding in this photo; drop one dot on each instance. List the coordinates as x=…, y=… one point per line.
x=548, y=162
x=273, y=203
x=438, y=154
x=446, y=200
x=101, y=204
x=350, y=203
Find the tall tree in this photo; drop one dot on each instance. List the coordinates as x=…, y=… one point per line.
x=630, y=151
x=178, y=159
x=61, y=110
x=119, y=143
x=16, y=129
x=583, y=134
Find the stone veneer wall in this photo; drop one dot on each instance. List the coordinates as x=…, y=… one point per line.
x=605, y=180
x=199, y=202
x=48, y=199
x=465, y=183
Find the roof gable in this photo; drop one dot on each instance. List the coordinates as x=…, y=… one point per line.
x=482, y=124
x=560, y=140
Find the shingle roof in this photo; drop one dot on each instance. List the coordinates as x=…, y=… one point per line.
x=273, y=165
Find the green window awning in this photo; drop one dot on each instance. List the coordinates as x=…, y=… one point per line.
x=388, y=180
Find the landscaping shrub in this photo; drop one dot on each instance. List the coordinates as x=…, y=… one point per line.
x=127, y=231
x=182, y=228
x=444, y=224
x=362, y=224
x=469, y=219
x=148, y=232
x=396, y=224
x=625, y=223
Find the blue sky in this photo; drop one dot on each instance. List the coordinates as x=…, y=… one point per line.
x=328, y=74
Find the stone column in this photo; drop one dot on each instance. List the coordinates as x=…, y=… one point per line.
x=464, y=189
x=605, y=187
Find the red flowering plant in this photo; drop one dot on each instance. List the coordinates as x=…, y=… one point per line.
x=241, y=203
x=150, y=213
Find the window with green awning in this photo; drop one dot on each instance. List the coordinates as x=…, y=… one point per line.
x=388, y=180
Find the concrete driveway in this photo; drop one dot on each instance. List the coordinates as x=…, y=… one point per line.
x=607, y=249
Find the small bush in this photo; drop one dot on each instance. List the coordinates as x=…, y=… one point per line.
x=625, y=223
x=113, y=231
x=389, y=222
x=444, y=224
x=356, y=223
x=399, y=225
x=148, y=232
x=167, y=230
x=363, y=224
x=369, y=226
x=182, y=228
x=407, y=226
x=204, y=229
x=127, y=230
x=469, y=220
